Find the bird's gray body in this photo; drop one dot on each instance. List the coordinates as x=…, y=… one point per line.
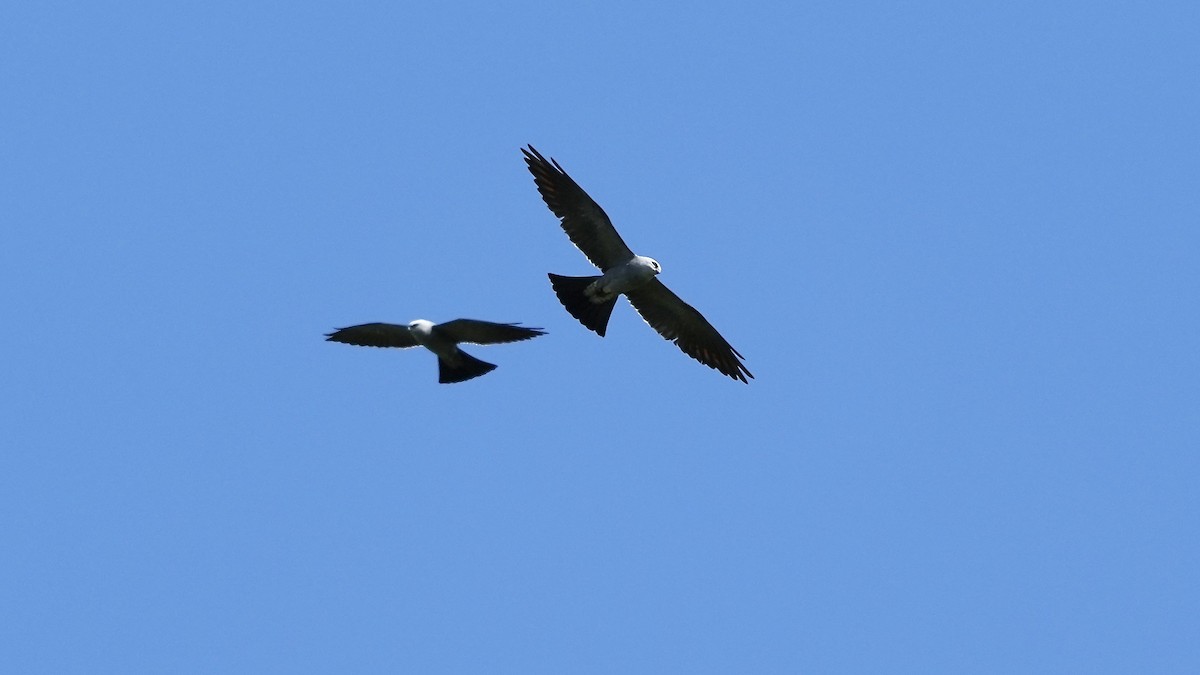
x=623, y=278
x=434, y=340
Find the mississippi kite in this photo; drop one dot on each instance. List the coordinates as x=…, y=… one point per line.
x=454, y=365
x=591, y=299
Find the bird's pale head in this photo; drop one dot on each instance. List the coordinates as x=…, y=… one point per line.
x=420, y=326
x=650, y=264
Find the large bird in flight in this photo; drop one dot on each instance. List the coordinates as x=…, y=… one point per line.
x=591, y=299
x=454, y=365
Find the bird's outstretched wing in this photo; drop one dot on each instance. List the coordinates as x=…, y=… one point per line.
x=374, y=335
x=679, y=322
x=485, y=332
x=582, y=218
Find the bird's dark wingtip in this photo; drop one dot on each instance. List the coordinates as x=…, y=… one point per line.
x=533, y=331
x=738, y=370
x=531, y=154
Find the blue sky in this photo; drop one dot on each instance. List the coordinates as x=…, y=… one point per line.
x=957, y=245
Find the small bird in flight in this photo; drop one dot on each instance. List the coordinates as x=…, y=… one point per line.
x=454, y=365
x=591, y=299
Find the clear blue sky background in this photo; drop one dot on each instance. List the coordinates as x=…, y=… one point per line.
x=957, y=244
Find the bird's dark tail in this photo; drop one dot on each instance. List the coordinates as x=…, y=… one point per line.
x=570, y=292
x=462, y=367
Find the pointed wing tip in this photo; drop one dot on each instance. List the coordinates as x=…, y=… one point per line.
x=728, y=363
x=532, y=156
x=535, y=160
x=732, y=368
x=531, y=331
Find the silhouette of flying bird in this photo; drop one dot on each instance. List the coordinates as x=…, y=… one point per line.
x=454, y=365
x=591, y=299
